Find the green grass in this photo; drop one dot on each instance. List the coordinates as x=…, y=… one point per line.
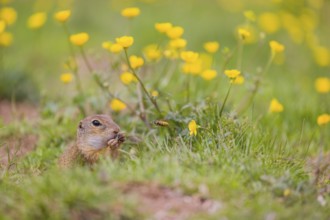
x=256, y=165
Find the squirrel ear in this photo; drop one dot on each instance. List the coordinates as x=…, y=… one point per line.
x=80, y=125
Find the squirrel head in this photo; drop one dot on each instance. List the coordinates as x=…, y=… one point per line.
x=95, y=132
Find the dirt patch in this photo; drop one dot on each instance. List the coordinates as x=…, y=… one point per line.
x=319, y=167
x=165, y=203
x=11, y=111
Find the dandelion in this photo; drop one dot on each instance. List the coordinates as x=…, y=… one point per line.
x=2, y=26
x=130, y=12
x=178, y=43
x=136, y=61
x=127, y=78
x=322, y=84
x=269, y=22
x=189, y=56
x=62, y=16
x=209, y=74
x=37, y=20
x=66, y=77
x=125, y=41
x=116, y=48
x=276, y=47
x=238, y=80
x=211, y=46
x=323, y=119
x=163, y=27
x=192, y=126
x=6, y=39
x=175, y=32
x=152, y=52
x=243, y=33
x=275, y=106
x=232, y=74
x=8, y=14
x=79, y=39
x=117, y=105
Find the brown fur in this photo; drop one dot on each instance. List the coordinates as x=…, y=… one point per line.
x=102, y=137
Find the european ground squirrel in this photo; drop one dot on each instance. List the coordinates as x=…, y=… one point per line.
x=96, y=135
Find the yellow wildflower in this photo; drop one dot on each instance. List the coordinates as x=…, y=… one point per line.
x=322, y=84
x=152, y=52
x=276, y=47
x=192, y=126
x=275, y=106
x=250, y=15
x=136, y=61
x=209, y=74
x=323, y=119
x=171, y=54
x=66, y=77
x=193, y=68
x=163, y=27
x=62, y=16
x=6, y=39
x=211, y=46
x=37, y=20
x=178, y=43
x=127, y=78
x=269, y=22
x=238, y=80
x=321, y=56
x=2, y=26
x=8, y=14
x=79, y=39
x=286, y=192
x=116, y=48
x=130, y=12
x=117, y=105
x=189, y=56
x=125, y=41
x=175, y=32
x=154, y=93
x=106, y=45
x=243, y=33
x=232, y=74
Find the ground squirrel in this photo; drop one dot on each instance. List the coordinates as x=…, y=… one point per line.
x=96, y=135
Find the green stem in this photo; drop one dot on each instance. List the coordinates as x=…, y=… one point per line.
x=141, y=83
x=224, y=102
x=89, y=66
x=239, y=54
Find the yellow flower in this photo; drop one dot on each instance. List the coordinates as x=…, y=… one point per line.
x=322, y=84
x=66, y=77
x=136, y=61
x=152, y=52
x=130, y=12
x=189, y=56
x=193, y=68
x=275, y=106
x=6, y=39
x=171, y=54
x=243, y=33
x=250, y=15
x=117, y=105
x=79, y=39
x=125, y=41
x=37, y=20
x=154, y=93
x=2, y=26
x=323, y=119
x=276, y=47
x=192, y=126
x=269, y=22
x=238, y=80
x=62, y=16
x=321, y=56
x=286, y=192
x=209, y=74
x=175, y=32
x=9, y=15
x=127, y=78
x=116, y=48
x=178, y=43
x=106, y=45
x=163, y=27
x=232, y=74
x=211, y=46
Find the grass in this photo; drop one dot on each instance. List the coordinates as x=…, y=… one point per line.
x=257, y=165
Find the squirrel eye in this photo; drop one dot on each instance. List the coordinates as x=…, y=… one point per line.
x=96, y=123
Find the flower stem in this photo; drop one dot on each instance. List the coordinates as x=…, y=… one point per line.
x=88, y=65
x=141, y=83
x=224, y=102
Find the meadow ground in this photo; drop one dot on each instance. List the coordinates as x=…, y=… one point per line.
x=225, y=105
